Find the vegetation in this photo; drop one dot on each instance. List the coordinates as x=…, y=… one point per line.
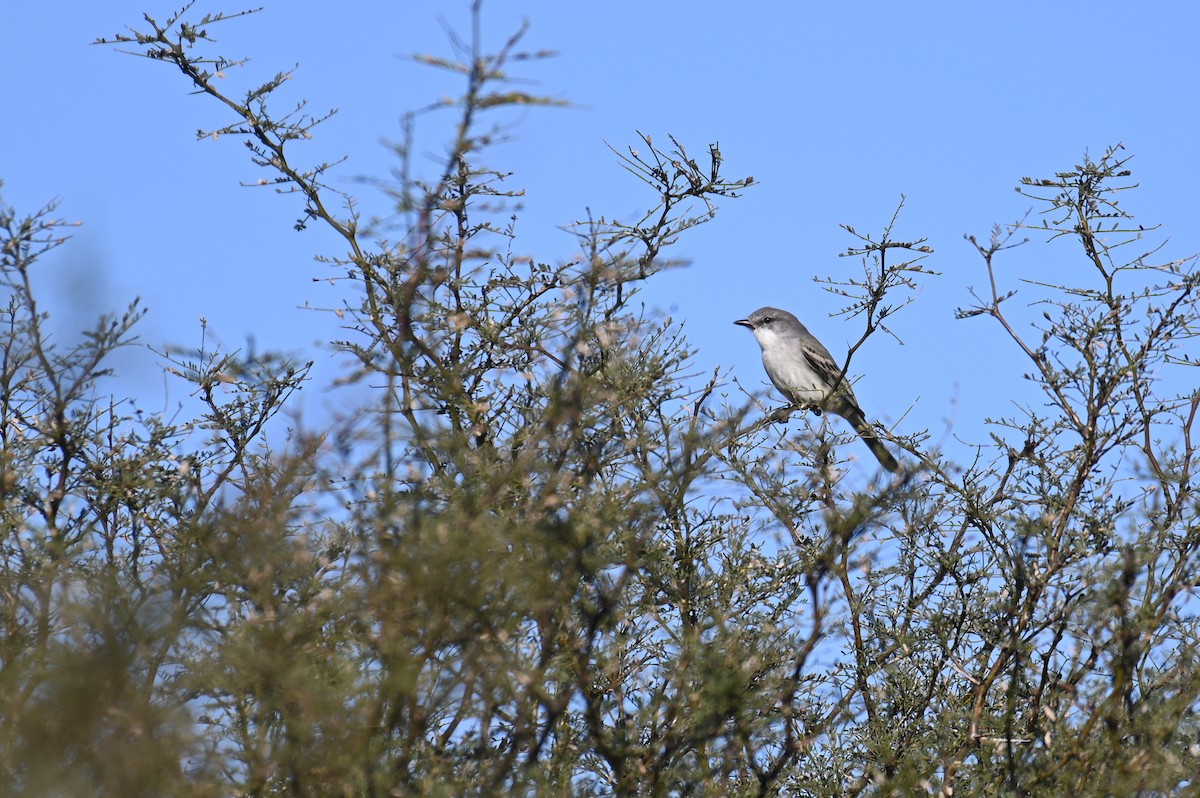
x=544, y=558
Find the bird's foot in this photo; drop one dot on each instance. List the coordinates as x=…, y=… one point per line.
x=782, y=415
x=811, y=407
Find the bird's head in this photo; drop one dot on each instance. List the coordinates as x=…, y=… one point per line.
x=769, y=324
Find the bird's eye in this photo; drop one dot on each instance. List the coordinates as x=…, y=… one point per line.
x=768, y=320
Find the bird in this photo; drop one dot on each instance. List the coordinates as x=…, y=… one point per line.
x=806, y=374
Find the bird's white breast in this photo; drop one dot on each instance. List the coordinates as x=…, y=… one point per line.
x=788, y=368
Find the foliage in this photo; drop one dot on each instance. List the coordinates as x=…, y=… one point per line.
x=545, y=557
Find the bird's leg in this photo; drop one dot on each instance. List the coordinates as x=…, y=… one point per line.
x=782, y=415
x=812, y=407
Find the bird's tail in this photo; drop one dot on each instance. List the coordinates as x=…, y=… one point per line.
x=867, y=433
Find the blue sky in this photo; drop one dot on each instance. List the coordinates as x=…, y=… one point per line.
x=836, y=109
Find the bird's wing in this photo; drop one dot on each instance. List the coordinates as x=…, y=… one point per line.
x=822, y=363
x=839, y=396
x=841, y=400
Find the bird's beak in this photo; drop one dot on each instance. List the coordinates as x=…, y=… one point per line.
x=745, y=323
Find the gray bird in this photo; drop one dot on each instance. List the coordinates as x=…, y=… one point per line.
x=807, y=375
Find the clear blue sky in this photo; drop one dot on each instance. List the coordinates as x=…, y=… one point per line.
x=835, y=108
